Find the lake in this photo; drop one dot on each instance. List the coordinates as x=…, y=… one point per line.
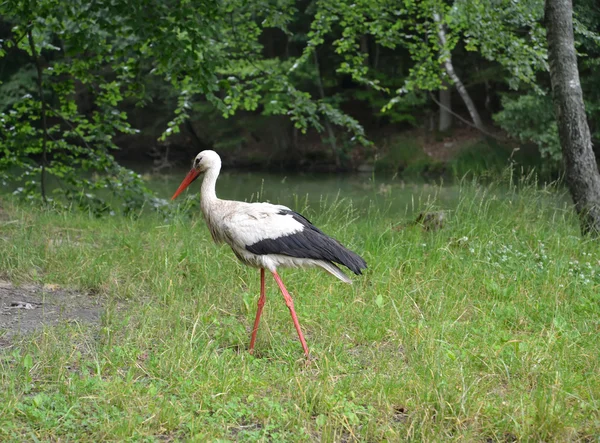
x=390, y=194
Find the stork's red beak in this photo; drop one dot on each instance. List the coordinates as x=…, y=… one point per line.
x=189, y=178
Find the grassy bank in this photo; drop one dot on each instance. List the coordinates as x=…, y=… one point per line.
x=486, y=330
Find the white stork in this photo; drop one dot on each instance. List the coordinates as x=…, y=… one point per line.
x=267, y=236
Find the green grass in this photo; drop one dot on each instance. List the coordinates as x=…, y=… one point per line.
x=490, y=158
x=486, y=330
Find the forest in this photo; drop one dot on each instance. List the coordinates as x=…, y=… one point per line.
x=319, y=85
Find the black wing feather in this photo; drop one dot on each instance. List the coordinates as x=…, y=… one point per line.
x=310, y=243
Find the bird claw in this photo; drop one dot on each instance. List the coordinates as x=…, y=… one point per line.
x=309, y=359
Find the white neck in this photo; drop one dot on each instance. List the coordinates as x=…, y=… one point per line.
x=208, y=192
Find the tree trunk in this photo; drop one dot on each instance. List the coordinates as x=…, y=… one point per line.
x=445, y=109
x=328, y=127
x=40, y=85
x=460, y=87
x=364, y=47
x=583, y=178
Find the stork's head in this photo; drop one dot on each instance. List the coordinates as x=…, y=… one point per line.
x=203, y=162
x=206, y=160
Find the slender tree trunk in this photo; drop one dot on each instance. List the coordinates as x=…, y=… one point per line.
x=445, y=109
x=364, y=48
x=582, y=173
x=460, y=87
x=488, y=98
x=40, y=85
x=328, y=127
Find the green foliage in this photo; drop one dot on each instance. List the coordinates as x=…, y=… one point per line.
x=18, y=85
x=405, y=155
x=591, y=87
x=508, y=32
x=95, y=56
x=486, y=159
x=530, y=115
x=209, y=60
x=530, y=118
x=586, y=24
x=495, y=32
x=46, y=139
x=403, y=109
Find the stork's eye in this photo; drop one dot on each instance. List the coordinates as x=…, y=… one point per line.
x=197, y=162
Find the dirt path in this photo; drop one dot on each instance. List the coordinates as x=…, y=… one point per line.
x=25, y=308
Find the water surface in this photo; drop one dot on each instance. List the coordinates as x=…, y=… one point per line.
x=318, y=191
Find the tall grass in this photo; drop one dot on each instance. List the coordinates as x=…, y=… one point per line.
x=485, y=330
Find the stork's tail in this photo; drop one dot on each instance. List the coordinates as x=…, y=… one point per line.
x=335, y=271
x=344, y=256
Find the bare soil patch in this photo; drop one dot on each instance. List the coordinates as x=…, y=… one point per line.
x=26, y=308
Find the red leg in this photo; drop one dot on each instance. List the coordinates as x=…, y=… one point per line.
x=290, y=304
x=261, y=303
